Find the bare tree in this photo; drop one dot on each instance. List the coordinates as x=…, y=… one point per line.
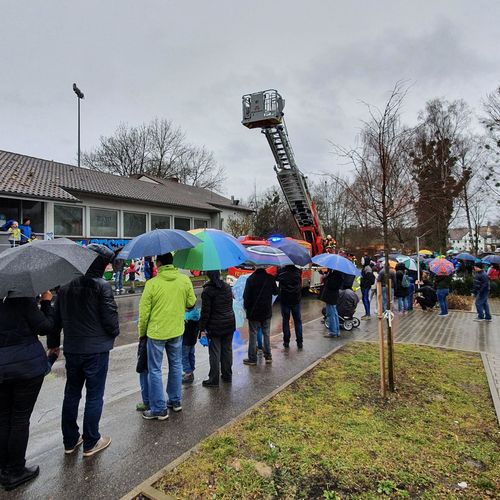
x=384, y=188
x=198, y=167
x=333, y=207
x=159, y=149
x=492, y=143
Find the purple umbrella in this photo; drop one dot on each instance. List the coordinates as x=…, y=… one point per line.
x=297, y=253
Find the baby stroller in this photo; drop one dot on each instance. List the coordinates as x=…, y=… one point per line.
x=345, y=322
x=346, y=307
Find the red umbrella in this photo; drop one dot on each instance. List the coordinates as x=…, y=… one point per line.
x=441, y=267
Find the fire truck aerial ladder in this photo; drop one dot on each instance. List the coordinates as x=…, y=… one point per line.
x=264, y=110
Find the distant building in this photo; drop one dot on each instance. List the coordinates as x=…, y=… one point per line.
x=488, y=239
x=83, y=204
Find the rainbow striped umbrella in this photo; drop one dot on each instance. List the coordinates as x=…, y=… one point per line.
x=217, y=250
x=441, y=267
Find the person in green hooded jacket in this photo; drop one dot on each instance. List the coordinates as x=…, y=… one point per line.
x=161, y=318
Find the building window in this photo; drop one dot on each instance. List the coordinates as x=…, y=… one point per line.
x=9, y=210
x=133, y=224
x=200, y=224
x=160, y=221
x=182, y=223
x=103, y=223
x=68, y=221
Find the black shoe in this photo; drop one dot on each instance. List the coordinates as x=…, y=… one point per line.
x=227, y=380
x=209, y=383
x=286, y=346
x=3, y=477
x=249, y=362
x=300, y=346
x=174, y=406
x=12, y=481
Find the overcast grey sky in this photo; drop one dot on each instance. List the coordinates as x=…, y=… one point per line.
x=191, y=61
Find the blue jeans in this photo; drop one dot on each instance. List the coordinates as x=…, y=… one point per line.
x=384, y=298
x=259, y=338
x=442, y=293
x=143, y=380
x=333, y=319
x=253, y=327
x=297, y=322
x=188, y=359
x=403, y=304
x=365, y=295
x=118, y=280
x=91, y=370
x=482, y=307
x=173, y=347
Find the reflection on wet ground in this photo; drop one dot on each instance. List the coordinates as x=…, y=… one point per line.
x=128, y=308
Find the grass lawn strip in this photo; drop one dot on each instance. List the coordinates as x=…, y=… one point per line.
x=330, y=435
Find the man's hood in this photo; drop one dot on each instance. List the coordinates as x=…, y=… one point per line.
x=168, y=272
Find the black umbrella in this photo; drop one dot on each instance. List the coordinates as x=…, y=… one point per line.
x=28, y=270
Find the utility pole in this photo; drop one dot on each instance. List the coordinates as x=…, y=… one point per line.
x=80, y=96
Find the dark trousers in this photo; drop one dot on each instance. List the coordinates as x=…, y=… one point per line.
x=220, y=352
x=425, y=304
x=91, y=370
x=297, y=322
x=17, y=400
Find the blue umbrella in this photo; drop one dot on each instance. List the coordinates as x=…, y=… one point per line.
x=465, y=256
x=337, y=263
x=297, y=253
x=263, y=255
x=492, y=259
x=158, y=242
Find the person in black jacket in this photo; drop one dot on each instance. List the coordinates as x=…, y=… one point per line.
x=258, y=303
x=330, y=295
x=87, y=311
x=290, y=292
x=367, y=281
x=217, y=321
x=23, y=365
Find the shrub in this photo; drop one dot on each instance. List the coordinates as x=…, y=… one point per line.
x=461, y=302
x=462, y=285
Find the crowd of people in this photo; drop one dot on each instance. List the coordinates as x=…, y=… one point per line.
x=168, y=322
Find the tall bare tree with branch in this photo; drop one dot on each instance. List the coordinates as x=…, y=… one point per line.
x=157, y=148
x=383, y=187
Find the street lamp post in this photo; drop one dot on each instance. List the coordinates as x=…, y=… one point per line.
x=80, y=96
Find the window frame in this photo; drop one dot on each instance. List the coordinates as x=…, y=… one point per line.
x=81, y=207
x=118, y=218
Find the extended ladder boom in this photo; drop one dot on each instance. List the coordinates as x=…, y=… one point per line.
x=265, y=110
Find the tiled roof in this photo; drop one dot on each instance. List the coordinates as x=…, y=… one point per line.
x=33, y=177
x=458, y=233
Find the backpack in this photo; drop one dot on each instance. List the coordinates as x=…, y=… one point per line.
x=405, y=281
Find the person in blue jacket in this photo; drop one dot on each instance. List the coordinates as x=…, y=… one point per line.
x=481, y=289
x=26, y=231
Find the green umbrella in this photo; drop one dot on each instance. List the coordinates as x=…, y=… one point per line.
x=217, y=250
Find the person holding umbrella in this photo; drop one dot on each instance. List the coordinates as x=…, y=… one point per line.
x=25, y=272
x=218, y=323
x=86, y=310
x=258, y=302
x=290, y=293
x=23, y=365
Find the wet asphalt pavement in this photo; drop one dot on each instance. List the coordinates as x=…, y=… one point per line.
x=139, y=447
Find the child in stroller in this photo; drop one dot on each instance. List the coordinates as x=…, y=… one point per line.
x=346, y=307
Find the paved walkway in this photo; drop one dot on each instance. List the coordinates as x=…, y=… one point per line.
x=140, y=448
